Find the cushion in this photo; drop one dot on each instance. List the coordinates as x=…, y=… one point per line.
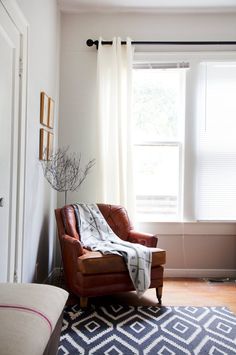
x=29, y=313
x=94, y=262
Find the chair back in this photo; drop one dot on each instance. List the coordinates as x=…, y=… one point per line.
x=116, y=217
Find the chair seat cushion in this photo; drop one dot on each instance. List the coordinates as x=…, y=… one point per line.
x=94, y=262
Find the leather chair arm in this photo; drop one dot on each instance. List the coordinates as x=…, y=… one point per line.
x=72, y=246
x=146, y=239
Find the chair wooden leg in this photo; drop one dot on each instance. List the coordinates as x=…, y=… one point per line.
x=83, y=302
x=159, y=293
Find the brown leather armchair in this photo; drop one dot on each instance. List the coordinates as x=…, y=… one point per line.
x=89, y=273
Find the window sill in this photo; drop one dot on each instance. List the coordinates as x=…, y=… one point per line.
x=188, y=227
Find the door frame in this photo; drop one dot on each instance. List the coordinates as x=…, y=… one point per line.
x=17, y=250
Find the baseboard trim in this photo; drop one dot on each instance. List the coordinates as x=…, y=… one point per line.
x=199, y=273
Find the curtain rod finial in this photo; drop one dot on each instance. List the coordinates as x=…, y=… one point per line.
x=90, y=42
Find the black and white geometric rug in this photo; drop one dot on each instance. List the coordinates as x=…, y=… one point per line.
x=117, y=330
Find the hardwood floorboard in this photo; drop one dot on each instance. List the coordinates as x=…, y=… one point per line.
x=199, y=292
x=178, y=292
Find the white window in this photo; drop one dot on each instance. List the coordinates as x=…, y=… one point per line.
x=158, y=111
x=185, y=138
x=216, y=154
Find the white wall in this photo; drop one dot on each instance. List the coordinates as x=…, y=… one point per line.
x=204, y=249
x=43, y=75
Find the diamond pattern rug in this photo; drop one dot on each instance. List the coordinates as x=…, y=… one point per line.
x=117, y=330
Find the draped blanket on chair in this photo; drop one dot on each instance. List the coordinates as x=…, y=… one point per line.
x=96, y=234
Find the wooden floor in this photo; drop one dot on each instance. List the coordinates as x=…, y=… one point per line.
x=180, y=292
x=198, y=292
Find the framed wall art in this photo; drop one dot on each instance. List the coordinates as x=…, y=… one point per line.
x=49, y=145
x=51, y=113
x=43, y=144
x=44, y=108
x=46, y=119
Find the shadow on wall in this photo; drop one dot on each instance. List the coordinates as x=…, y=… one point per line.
x=42, y=264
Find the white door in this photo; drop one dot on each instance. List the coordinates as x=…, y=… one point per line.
x=9, y=117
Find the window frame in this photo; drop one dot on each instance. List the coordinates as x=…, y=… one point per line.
x=180, y=182
x=189, y=147
x=170, y=142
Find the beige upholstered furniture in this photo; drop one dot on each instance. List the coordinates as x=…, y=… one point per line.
x=31, y=318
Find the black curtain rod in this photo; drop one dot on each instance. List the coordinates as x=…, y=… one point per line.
x=91, y=42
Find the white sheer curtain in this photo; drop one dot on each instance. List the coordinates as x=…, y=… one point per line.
x=114, y=162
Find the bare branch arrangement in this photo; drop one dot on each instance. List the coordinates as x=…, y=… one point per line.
x=63, y=170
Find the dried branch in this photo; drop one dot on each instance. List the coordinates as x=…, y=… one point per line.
x=63, y=170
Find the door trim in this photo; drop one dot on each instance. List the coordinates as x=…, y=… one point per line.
x=14, y=12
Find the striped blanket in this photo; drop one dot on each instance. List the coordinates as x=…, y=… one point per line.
x=96, y=235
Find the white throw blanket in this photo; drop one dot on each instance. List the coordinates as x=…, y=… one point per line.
x=96, y=234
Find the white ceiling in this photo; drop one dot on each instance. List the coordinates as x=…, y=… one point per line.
x=146, y=5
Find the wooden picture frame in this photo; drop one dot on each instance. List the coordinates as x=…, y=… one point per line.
x=43, y=144
x=44, y=106
x=49, y=145
x=50, y=113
